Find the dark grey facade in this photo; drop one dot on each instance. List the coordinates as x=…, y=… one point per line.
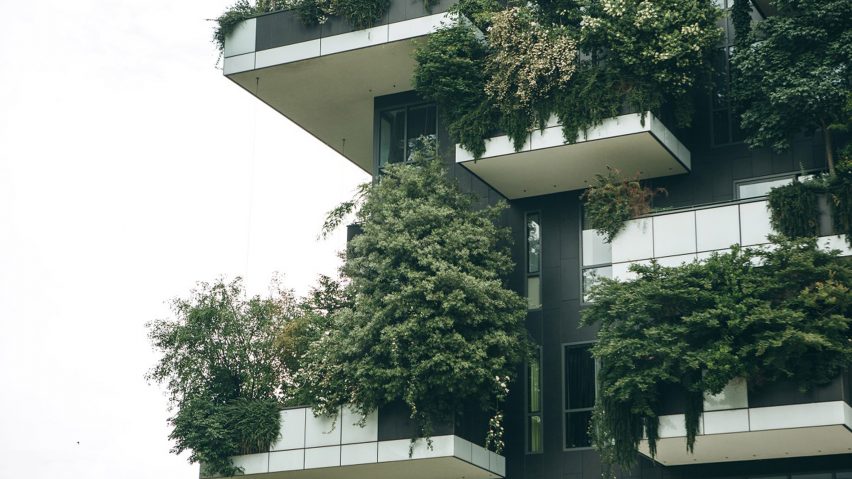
x=716, y=173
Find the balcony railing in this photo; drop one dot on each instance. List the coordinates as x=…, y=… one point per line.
x=547, y=164
x=771, y=422
x=337, y=447
x=675, y=237
x=325, y=77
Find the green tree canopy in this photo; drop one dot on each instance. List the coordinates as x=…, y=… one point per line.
x=794, y=73
x=432, y=322
x=781, y=313
x=221, y=371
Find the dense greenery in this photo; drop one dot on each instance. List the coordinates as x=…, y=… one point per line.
x=794, y=208
x=359, y=13
x=780, y=313
x=793, y=74
x=580, y=61
x=613, y=200
x=221, y=371
x=431, y=321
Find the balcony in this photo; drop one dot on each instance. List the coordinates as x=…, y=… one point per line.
x=324, y=78
x=546, y=164
x=338, y=448
x=774, y=421
x=679, y=236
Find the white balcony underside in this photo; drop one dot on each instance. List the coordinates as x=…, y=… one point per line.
x=546, y=164
x=799, y=430
x=327, y=86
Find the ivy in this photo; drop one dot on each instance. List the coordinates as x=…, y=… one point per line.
x=741, y=18
x=432, y=322
x=582, y=61
x=780, y=313
x=613, y=200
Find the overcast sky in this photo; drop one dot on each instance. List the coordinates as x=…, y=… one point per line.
x=129, y=169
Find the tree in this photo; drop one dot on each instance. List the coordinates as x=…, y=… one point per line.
x=221, y=371
x=795, y=73
x=432, y=322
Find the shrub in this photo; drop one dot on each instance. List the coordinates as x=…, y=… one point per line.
x=794, y=208
x=612, y=201
x=698, y=326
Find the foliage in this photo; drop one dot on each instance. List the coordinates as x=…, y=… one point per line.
x=741, y=18
x=431, y=321
x=613, y=200
x=228, y=21
x=529, y=61
x=214, y=432
x=700, y=325
x=794, y=75
x=451, y=72
x=839, y=189
x=359, y=13
x=794, y=209
x=221, y=370
x=583, y=61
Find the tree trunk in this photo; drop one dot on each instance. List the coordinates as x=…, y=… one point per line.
x=829, y=148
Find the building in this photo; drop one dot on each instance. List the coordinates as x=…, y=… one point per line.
x=351, y=89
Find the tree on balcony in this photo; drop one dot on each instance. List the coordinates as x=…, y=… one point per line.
x=794, y=74
x=222, y=371
x=432, y=322
x=780, y=313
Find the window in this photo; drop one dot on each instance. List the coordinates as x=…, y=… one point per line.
x=597, y=260
x=761, y=187
x=580, y=392
x=402, y=130
x=533, y=261
x=535, y=433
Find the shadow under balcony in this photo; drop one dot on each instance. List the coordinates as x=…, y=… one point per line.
x=547, y=164
x=324, y=77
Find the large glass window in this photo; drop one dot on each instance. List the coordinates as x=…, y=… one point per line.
x=580, y=392
x=533, y=260
x=535, y=432
x=597, y=260
x=402, y=130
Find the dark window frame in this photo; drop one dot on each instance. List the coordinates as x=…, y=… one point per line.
x=528, y=414
x=377, y=122
x=537, y=274
x=565, y=392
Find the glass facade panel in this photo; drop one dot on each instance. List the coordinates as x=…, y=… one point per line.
x=533, y=243
x=422, y=123
x=760, y=188
x=391, y=137
x=577, y=429
x=534, y=384
x=535, y=434
x=579, y=377
x=592, y=276
x=595, y=249
x=533, y=292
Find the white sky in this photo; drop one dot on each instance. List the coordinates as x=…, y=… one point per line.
x=128, y=169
